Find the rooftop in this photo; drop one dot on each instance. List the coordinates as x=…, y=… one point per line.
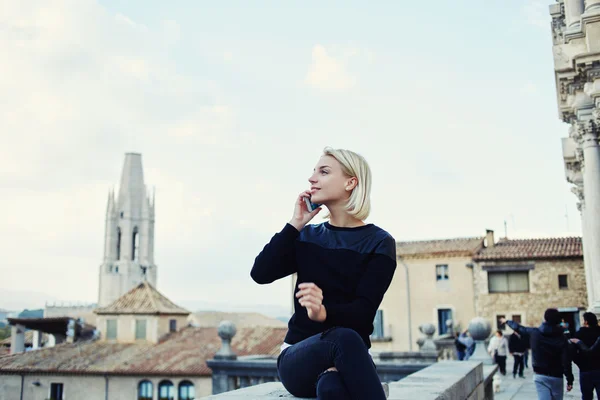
x=143, y=299
x=181, y=353
x=528, y=249
x=440, y=248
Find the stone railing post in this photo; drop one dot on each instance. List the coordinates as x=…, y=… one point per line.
x=480, y=330
x=426, y=343
x=221, y=381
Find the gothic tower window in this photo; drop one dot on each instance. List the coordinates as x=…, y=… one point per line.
x=118, y=243
x=135, y=244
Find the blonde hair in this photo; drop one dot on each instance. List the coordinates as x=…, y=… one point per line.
x=355, y=165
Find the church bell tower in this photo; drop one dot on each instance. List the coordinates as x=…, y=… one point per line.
x=129, y=235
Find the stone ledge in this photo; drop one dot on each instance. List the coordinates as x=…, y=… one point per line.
x=443, y=380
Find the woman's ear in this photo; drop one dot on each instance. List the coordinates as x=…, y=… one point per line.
x=351, y=183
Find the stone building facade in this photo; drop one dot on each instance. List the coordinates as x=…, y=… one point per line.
x=576, y=49
x=520, y=279
x=432, y=284
x=458, y=279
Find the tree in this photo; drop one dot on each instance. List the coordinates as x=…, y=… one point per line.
x=4, y=332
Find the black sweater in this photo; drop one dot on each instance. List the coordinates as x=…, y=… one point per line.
x=352, y=266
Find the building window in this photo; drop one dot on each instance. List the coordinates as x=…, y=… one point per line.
x=444, y=315
x=186, y=391
x=172, y=325
x=56, y=391
x=516, y=318
x=498, y=324
x=111, y=329
x=145, y=390
x=166, y=390
x=140, y=329
x=441, y=272
x=118, y=243
x=563, y=283
x=378, y=325
x=508, y=282
x=135, y=244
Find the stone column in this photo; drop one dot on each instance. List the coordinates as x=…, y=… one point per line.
x=573, y=11
x=589, y=279
x=17, y=339
x=589, y=132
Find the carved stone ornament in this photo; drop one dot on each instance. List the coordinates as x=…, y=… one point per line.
x=559, y=26
x=588, y=131
x=577, y=190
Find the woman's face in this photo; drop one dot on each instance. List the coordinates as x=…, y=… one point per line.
x=328, y=184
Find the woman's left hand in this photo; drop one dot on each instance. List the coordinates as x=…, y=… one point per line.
x=310, y=296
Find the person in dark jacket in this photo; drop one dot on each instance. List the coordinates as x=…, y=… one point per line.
x=517, y=346
x=551, y=358
x=461, y=348
x=588, y=361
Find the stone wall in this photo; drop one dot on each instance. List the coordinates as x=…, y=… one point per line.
x=543, y=291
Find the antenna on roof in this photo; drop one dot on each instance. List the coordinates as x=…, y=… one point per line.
x=505, y=230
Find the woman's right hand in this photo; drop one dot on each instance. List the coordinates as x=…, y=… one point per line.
x=301, y=215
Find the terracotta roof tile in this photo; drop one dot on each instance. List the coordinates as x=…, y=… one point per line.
x=443, y=247
x=142, y=299
x=181, y=353
x=532, y=249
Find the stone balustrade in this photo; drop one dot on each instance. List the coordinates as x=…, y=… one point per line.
x=442, y=380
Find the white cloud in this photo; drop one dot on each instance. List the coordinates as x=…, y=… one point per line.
x=327, y=73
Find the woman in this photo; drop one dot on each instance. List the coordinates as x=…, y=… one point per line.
x=344, y=268
x=498, y=348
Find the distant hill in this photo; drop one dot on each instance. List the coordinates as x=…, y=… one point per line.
x=39, y=313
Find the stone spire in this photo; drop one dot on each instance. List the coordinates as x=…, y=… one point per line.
x=129, y=235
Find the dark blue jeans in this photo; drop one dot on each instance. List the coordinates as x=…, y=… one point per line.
x=302, y=367
x=588, y=381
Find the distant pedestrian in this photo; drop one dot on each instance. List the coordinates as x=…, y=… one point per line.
x=498, y=348
x=461, y=348
x=517, y=346
x=588, y=362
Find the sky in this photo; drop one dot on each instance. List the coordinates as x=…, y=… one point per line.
x=453, y=104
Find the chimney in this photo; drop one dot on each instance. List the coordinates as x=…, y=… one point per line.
x=489, y=238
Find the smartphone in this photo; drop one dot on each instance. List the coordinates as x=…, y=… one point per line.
x=310, y=205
